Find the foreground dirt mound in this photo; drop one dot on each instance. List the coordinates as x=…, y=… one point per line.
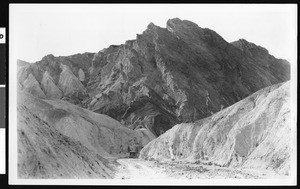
x=253, y=133
x=43, y=152
x=59, y=139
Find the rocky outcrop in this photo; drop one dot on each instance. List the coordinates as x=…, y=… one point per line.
x=31, y=85
x=176, y=74
x=68, y=82
x=252, y=133
x=81, y=75
x=250, y=48
x=53, y=66
x=73, y=90
x=165, y=76
x=48, y=86
x=276, y=67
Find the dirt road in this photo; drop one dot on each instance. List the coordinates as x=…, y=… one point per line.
x=137, y=168
x=141, y=169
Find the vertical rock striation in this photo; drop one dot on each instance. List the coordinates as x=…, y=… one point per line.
x=253, y=133
x=165, y=76
x=49, y=87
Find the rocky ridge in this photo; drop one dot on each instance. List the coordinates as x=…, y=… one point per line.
x=32, y=86
x=178, y=74
x=49, y=87
x=165, y=76
x=253, y=133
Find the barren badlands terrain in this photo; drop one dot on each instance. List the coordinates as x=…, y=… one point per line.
x=181, y=100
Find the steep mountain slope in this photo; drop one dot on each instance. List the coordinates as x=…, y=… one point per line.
x=48, y=86
x=165, y=76
x=53, y=65
x=68, y=82
x=43, y=152
x=59, y=139
x=176, y=74
x=68, y=73
x=32, y=86
x=252, y=133
x=276, y=67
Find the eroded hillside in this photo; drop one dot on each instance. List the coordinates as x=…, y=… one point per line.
x=57, y=139
x=165, y=76
x=253, y=133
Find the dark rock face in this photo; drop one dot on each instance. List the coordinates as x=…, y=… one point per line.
x=276, y=67
x=165, y=76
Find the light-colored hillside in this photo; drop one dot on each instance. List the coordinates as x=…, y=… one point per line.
x=59, y=139
x=253, y=133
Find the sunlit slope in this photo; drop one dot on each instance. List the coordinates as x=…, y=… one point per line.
x=252, y=133
x=59, y=139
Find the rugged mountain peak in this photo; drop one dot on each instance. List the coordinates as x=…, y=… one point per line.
x=190, y=32
x=49, y=57
x=167, y=75
x=249, y=47
x=31, y=85
x=182, y=26
x=192, y=72
x=48, y=86
x=176, y=22
x=151, y=26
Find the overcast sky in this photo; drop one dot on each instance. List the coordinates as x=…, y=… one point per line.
x=38, y=30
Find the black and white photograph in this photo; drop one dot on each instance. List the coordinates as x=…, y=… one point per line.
x=153, y=94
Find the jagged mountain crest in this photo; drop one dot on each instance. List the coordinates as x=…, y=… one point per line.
x=181, y=92
x=166, y=75
x=247, y=47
